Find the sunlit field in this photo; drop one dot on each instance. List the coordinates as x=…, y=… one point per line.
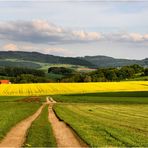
x=70, y=88
x=115, y=119
x=107, y=125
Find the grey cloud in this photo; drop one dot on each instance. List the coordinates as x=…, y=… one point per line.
x=40, y=31
x=43, y=32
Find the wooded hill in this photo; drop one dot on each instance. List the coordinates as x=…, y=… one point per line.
x=32, y=60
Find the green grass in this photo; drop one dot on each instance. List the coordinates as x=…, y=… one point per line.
x=107, y=119
x=19, y=98
x=110, y=97
x=140, y=78
x=10, y=99
x=40, y=134
x=12, y=112
x=122, y=125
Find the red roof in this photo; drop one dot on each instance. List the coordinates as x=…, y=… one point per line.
x=4, y=81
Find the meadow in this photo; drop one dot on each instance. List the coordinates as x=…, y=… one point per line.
x=39, y=89
x=140, y=97
x=104, y=120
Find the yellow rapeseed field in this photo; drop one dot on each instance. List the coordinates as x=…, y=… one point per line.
x=70, y=88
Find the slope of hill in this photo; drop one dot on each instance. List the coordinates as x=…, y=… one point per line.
x=37, y=60
x=43, y=58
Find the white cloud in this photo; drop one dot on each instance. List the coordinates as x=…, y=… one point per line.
x=43, y=32
x=40, y=31
x=87, y=36
x=127, y=37
x=58, y=51
x=10, y=47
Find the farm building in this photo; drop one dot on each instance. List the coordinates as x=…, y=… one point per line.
x=4, y=82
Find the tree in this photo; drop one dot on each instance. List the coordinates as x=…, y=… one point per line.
x=137, y=68
x=146, y=72
x=60, y=70
x=87, y=78
x=111, y=75
x=126, y=72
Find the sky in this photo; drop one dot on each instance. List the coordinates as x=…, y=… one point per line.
x=116, y=28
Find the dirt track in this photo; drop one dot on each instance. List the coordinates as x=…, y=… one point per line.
x=16, y=136
x=64, y=135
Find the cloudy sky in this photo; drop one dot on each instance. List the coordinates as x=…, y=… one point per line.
x=117, y=28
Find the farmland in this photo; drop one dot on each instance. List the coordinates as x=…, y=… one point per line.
x=117, y=120
x=70, y=88
x=105, y=97
x=102, y=114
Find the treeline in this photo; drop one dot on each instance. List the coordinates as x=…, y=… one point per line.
x=108, y=74
x=23, y=75
x=26, y=75
x=15, y=71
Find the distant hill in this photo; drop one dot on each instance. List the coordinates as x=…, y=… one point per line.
x=43, y=58
x=33, y=60
x=105, y=61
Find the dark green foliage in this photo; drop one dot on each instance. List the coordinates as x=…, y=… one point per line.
x=15, y=71
x=28, y=78
x=146, y=72
x=60, y=70
x=137, y=68
x=26, y=64
x=106, y=74
x=23, y=75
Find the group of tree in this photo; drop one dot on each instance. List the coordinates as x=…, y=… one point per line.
x=23, y=75
x=26, y=75
x=16, y=71
x=28, y=78
x=108, y=74
x=61, y=70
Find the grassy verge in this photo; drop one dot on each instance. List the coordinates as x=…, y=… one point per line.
x=107, y=125
x=40, y=134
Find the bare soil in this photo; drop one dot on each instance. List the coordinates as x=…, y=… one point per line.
x=30, y=99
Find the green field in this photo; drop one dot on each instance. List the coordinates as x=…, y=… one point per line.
x=110, y=97
x=107, y=119
x=40, y=134
x=13, y=111
x=113, y=119
x=140, y=78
